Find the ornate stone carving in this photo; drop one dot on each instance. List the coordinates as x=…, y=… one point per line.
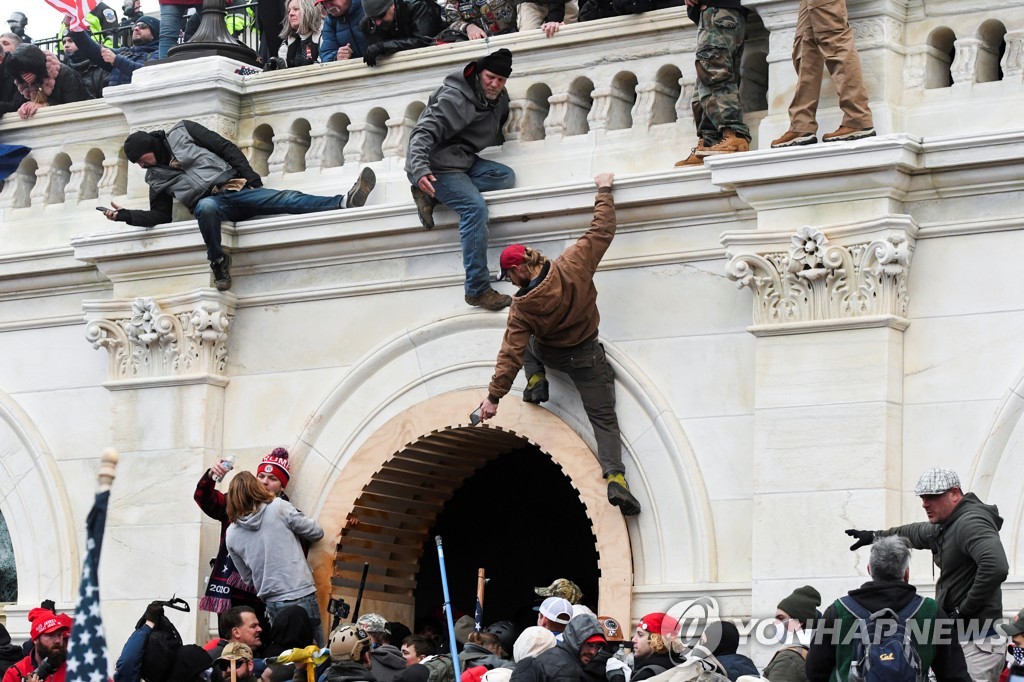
x=397, y=139
x=965, y=64
x=365, y=142
x=1013, y=59
x=611, y=108
x=818, y=281
x=914, y=67
x=525, y=121
x=567, y=115
x=152, y=343
x=114, y=181
x=684, y=112
x=655, y=103
x=289, y=154
x=18, y=188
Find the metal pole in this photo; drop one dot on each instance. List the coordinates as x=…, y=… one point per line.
x=448, y=611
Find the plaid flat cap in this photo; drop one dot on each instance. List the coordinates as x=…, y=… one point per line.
x=936, y=481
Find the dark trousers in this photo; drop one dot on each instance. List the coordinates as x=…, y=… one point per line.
x=587, y=366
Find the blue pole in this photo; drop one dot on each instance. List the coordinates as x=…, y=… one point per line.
x=453, y=645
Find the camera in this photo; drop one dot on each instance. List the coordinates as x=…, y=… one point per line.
x=339, y=608
x=47, y=667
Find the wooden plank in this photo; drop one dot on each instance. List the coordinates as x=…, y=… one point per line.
x=352, y=562
x=404, y=505
x=363, y=510
x=372, y=533
x=355, y=544
x=395, y=597
x=411, y=493
x=406, y=580
x=414, y=463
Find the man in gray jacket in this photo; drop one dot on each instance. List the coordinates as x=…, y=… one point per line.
x=212, y=178
x=963, y=534
x=462, y=117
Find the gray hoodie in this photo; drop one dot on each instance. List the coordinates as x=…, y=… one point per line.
x=265, y=548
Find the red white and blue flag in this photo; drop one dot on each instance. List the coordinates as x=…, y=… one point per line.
x=76, y=9
x=87, y=649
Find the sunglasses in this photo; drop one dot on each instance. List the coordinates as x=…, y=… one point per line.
x=141, y=27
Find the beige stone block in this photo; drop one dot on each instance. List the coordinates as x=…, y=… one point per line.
x=733, y=535
x=167, y=417
x=946, y=434
x=724, y=449
x=849, y=366
x=829, y=447
x=87, y=408
x=40, y=360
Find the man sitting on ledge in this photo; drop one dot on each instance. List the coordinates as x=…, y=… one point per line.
x=210, y=176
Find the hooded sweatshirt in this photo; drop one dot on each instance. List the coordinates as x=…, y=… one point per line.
x=457, y=123
x=265, y=549
x=967, y=549
x=560, y=663
x=386, y=661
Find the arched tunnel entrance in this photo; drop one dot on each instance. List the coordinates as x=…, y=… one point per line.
x=499, y=501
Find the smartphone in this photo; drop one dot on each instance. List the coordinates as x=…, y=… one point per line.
x=474, y=417
x=103, y=209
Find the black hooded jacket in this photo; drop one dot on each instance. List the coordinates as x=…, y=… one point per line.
x=560, y=663
x=291, y=629
x=416, y=24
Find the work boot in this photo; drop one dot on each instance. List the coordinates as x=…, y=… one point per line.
x=536, y=390
x=490, y=299
x=619, y=495
x=424, y=207
x=696, y=157
x=845, y=134
x=365, y=183
x=794, y=139
x=730, y=144
x=221, y=273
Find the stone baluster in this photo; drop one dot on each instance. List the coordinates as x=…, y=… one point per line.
x=514, y=124
x=41, y=188
x=397, y=140
x=914, y=69
x=17, y=192
x=1013, y=59
x=526, y=120
x=73, y=189
x=610, y=110
x=113, y=179
x=965, y=65
x=567, y=115
x=289, y=154
x=364, y=142
x=317, y=147
x=655, y=103
x=684, y=110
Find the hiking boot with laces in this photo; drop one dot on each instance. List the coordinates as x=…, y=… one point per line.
x=696, y=157
x=424, y=207
x=490, y=300
x=845, y=134
x=222, y=273
x=794, y=139
x=730, y=144
x=537, y=394
x=365, y=183
x=619, y=495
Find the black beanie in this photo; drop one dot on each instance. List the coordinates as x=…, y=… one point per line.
x=802, y=605
x=499, y=63
x=723, y=636
x=138, y=144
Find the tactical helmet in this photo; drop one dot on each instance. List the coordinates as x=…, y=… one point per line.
x=17, y=21
x=505, y=631
x=348, y=643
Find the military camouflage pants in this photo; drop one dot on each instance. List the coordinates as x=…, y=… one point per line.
x=716, y=99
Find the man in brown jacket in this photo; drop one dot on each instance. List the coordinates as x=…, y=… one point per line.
x=553, y=323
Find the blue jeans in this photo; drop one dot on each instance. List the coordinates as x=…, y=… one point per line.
x=461, y=193
x=254, y=201
x=309, y=604
x=171, y=19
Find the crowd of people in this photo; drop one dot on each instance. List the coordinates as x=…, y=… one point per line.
x=270, y=628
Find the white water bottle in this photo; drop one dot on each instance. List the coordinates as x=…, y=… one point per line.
x=228, y=463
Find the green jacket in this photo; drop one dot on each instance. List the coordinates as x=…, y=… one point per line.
x=970, y=556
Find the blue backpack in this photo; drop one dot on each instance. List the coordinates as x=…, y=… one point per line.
x=883, y=646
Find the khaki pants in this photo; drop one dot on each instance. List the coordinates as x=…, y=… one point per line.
x=985, y=658
x=531, y=15
x=824, y=39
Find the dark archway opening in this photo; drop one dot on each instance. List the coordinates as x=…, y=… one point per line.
x=520, y=519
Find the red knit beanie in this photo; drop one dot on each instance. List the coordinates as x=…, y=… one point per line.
x=276, y=463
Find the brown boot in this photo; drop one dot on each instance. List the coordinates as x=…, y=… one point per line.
x=794, y=139
x=845, y=134
x=696, y=157
x=490, y=300
x=730, y=144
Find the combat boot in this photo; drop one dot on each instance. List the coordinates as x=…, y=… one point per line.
x=696, y=157
x=490, y=299
x=730, y=144
x=222, y=273
x=619, y=495
x=536, y=390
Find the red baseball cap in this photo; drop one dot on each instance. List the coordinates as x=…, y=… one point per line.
x=511, y=257
x=45, y=621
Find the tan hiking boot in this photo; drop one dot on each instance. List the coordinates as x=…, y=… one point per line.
x=696, y=157
x=730, y=144
x=794, y=139
x=424, y=207
x=490, y=300
x=844, y=134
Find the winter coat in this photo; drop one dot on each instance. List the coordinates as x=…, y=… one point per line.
x=207, y=161
x=129, y=663
x=560, y=311
x=736, y=665
x=969, y=554
x=264, y=546
x=62, y=84
x=386, y=661
x=651, y=665
x=560, y=663
x=27, y=666
x=291, y=629
x=457, y=123
x=416, y=24
x=946, y=656
x=348, y=671
x=126, y=62
x=495, y=17
x=93, y=77
x=473, y=655
x=299, y=50
x=225, y=587
x=344, y=30
x=787, y=665
x=10, y=98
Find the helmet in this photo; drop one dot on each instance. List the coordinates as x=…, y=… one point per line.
x=17, y=20
x=128, y=8
x=505, y=631
x=348, y=643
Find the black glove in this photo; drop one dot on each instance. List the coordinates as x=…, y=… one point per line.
x=372, y=53
x=864, y=538
x=154, y=612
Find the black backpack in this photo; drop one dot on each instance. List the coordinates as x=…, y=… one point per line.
x=883, y=644
x=162, y=645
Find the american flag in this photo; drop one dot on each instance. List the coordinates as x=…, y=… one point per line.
x=77, y=9
x=87, y=649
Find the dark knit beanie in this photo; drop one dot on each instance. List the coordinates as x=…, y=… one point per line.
x=722, y=637
x=138, y=144
x=802, y=605
x=499, y=63
x=152, y=22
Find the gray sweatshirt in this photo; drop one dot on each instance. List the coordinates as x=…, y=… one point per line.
x=264, y=547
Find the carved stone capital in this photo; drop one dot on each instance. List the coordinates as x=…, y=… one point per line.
x=816, y=284
x=166, y=342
